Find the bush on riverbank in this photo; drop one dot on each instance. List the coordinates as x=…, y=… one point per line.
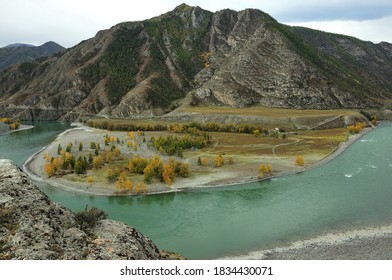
x=13, y=125
x=357, y=128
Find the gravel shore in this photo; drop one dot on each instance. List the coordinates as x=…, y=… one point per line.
x=360, y=244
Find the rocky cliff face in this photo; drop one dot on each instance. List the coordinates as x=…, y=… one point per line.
x=192, y=56
x=33, y=227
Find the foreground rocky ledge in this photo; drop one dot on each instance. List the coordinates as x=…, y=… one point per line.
x=33, y=227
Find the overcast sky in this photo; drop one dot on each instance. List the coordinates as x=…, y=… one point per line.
x=68, y=22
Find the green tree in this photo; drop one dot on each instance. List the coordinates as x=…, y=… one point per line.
x=90, y=158
x=78, y=168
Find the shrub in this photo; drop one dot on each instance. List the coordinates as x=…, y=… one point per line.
x=88, y=218
x=204, y=161
x=219, y=161
x=264, y=169
x=90, y=180
x=113, y=175
x=299, y=161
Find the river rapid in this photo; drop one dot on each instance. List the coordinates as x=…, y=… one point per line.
x=352, y=191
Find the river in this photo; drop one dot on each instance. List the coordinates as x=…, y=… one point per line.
x=352, y=191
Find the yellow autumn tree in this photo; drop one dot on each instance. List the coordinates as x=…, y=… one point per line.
x=90, y=180
x=130, y=143
x=357, y=128
x=219, y=161
x=184, y=170
x=131, y=135
x=97, y=162
x=141, y=187
x=59, y=163
x=137, y=164
x=299, y=160
x=67, y=155
x=153, y=169
x=117, y=153
x=109, y=156
x=129, y=185
x=13, y=126
x=168, y=174
x=120, y=183
x=49, y=169
x=204, y=161
x=268, y=168
x=264, y=169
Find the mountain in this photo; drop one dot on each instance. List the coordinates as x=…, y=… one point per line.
x=191, y=56
x=17, y=53
x=16, y=45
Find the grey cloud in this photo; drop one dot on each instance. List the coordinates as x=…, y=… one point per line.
x=326, y=12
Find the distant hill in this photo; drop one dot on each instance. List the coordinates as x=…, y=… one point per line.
x=18, y=53
x=16, y=45
x=190, y=56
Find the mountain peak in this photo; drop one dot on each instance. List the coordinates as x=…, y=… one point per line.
x=183, y=7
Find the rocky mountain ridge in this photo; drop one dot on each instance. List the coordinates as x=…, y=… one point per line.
x=33, y=227
x=19, y=53
x=190, y=56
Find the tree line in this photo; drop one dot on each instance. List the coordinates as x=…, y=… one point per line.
x=179, y=128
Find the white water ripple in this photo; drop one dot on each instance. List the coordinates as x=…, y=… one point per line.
x=349, y=175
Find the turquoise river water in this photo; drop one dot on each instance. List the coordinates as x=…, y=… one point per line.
x=354, y=190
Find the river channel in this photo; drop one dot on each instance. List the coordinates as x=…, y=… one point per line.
x=352, y=191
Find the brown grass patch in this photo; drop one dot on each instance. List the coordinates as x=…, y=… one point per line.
x=267, y=112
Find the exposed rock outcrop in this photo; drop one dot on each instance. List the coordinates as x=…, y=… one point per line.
x=33, y=227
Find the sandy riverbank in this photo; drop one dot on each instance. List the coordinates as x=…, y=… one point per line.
x=230, y=175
